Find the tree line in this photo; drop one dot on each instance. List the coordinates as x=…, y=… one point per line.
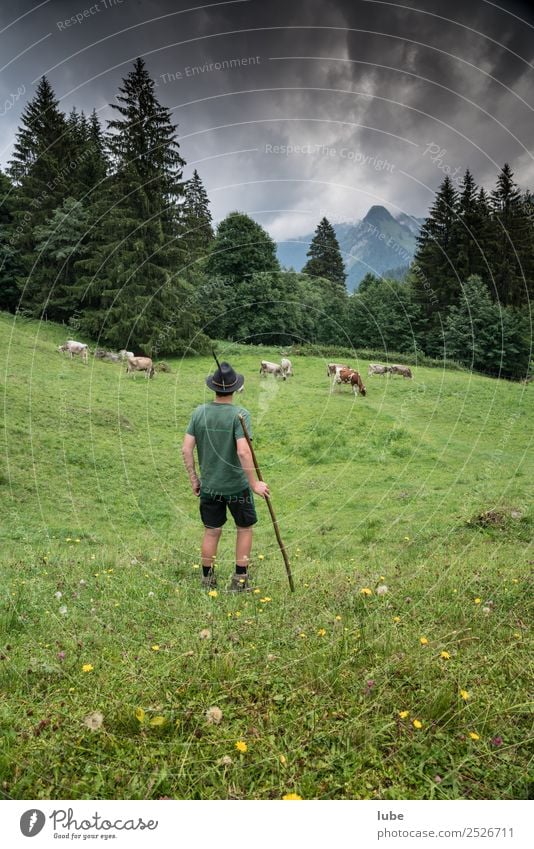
x=99, y=230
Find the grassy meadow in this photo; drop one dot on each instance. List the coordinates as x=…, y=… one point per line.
x=400, y=667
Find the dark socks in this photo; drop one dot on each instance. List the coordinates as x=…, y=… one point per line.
x=241, y=570
x=207, y=570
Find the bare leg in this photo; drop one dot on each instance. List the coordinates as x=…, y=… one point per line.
x=209, y=545
x=243, y=546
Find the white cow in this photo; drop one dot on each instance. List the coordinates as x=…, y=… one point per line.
x=136, y=364
x=286, y=366
x=375, y=368
x=333, y=367
x=75, y=348
x=271, y=368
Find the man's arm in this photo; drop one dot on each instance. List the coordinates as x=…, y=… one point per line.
x=247, y=464
x=188, y=453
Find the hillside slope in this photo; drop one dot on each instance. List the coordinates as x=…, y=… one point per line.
x=398, y=668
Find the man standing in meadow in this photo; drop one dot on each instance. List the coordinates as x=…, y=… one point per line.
x=227, y=476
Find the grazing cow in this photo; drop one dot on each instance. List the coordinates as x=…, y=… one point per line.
x=72, y=348
x=110, y=357
x=333, y=367
x=405, y=371
x=286, y=366
x=125, y=355
x=374, y=368
x=271, y=368
x=349, y=375
x=136, y=364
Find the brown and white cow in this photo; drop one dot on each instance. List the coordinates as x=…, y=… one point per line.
x=74, y=348
x=349, y=375
x=136, y=364
x=405, y=371
x=333, y=367
x=271, y=368
x=375, y=368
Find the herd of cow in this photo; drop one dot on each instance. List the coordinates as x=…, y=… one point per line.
x=338, y=372
x=133, y=364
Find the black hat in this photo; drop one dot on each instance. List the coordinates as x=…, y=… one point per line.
x=225, y=380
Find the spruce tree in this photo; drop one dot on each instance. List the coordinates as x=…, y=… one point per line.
x=41, y=170
x=133, y=295
x=512, y=248
x=469, y=257
x=435, y=279
x=60, y=242
x=10, y=262
x=195, y=219
x=324, y=255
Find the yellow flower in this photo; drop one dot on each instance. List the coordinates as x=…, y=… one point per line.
x=302, y=636
x=474, y=735
x=265, y=600
x=292, y=796
x=338, y=618
x=261, y=557
x=155, y=648
x=87, y=667
x=445, y=655
x=158, y=721
x=423, y=641
x=517, y=635
x=140, y=715
x=321, y=632
x=465, y=695
x=241, y=746
x=477, y=600
x=213, y=593
x=396, y=618
x=407, y=538
x=196, y=565
x=256, y=591
x=366, y=591
x=283, y=760
x=404, y=714
x=417, y=724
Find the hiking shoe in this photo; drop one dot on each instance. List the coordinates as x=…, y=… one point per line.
x=239, y=583
x=209, y=582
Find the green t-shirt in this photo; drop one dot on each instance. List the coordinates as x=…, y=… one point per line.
x=216, y=428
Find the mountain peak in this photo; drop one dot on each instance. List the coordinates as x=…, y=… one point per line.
x=378, y=215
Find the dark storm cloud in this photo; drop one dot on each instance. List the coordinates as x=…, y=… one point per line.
x=295, y=110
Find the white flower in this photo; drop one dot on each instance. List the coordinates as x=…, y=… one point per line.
x=213, y=715
x=94, y=720
x=381, y=590
x=226, y=760
x=58, y=595
x=151, y=595
x=205, y=634
x=83, y=583
x=63, y=609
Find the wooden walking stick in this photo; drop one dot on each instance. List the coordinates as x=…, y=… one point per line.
x=270, y=506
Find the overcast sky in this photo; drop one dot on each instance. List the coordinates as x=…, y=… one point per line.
x=295, y=109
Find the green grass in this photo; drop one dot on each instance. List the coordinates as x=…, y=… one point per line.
x=389, y=489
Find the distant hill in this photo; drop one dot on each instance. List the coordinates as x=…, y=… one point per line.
x=378, y=243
